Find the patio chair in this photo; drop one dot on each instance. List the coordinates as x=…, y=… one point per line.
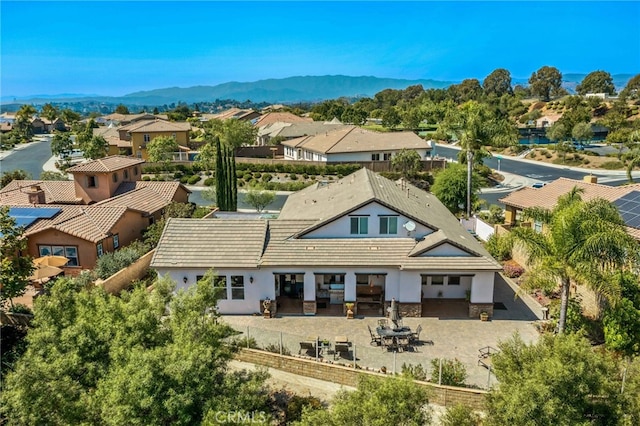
x=389, y=342
x=383, y=322
x=374, y=338
x=484, y=358
x=415, y=336
x=403, y=343
x=341, y=348
x=308, y=347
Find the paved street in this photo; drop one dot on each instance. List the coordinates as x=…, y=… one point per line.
x=30, y=157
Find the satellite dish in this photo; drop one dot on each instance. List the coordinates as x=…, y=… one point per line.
x=410, y=226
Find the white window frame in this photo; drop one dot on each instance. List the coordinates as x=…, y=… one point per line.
x=116, y=241
x=375, y=157
x=146, y=137
x=70, y=252
x=391, y=224
x=359, y=221
x=237, y=283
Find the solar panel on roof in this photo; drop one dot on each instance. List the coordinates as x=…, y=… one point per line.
x=25, y=216
x=629, y=208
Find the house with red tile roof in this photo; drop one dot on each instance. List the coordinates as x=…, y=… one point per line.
x=105, y=207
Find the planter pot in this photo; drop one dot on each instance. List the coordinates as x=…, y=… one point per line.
x=484, y=316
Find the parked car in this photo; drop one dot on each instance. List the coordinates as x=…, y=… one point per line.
x=538, y=185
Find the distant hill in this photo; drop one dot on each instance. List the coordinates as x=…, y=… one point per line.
x=284, y=90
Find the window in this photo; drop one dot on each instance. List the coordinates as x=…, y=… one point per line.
x=388, y=225
x=387, y=156
x=99, y=249
x=116, y=241
x=437, y=280
x=453, y=280
x=220, y=283
x=375, y=157
x=126, y=174
x=237, y=287
x=333, y=279
x=173, y=135
x=139, y=154
x=92, y=181
x=146, y=137
x=115, y=177
x=537, y=226
x=135, y=170
x=70, y=252
x=359, y=225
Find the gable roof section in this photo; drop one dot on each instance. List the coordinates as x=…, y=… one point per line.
x=355, y=139
x=547, y=196
x=91, y=223
x=273, y=117
x=156, y=125
x=291, y=130
x=210, y=243
x=326, y=203
x=62, y=192
x=144, y=197
x=105, y=165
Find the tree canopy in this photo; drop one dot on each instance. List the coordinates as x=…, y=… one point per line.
x=546, y=82
x=16, y=266
x=407, y=162
x=497, y=83
x=259, y=199
x=142, y=358
x=161, y=147
x=596, y=82
x=450, y=186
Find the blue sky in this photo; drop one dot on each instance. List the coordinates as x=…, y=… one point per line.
x=114, y=48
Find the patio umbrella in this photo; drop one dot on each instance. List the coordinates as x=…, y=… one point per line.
x=44, y=271
x=394, y=316
x=50, y=261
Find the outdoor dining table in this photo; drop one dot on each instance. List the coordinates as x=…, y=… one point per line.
x=393, y=332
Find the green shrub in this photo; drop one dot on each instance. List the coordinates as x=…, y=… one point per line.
x=267, y=177
x=200, y=212
x=416, y=372
x=209, y=181
x=454, y=373
x=612, y=165
x=178, y=175
x=184, y=179
x=146, y=178
x=460, y=415
x=293, y=176
x=273, y=348
x=247, y=176
x=110, y=263
x=257, y=175
x=20, y=308
x=499, y=247
x=194, y=179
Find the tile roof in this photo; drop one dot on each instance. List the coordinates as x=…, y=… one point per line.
x=355, y=139
x=91, y=223
x=145, y=197
x=273, y=117
x=156, y=126
x=105, y=165
x=210, y=243
x=218, y=242
x=16, y=192
x=291, y=130
x=547, y=196
x=134, y=117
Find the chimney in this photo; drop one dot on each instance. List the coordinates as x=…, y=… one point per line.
x=590, y=179
x=36, y=195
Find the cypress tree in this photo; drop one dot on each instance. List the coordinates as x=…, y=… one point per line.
x=220, y=178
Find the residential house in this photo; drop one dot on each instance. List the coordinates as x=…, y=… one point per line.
x=353, y=143
x=111, y=134
x=363, y=239
x=626, y=198
x=287, y=131
x=232, y=114
x=124, y=119
x=280, y=117
x=140, y=133
x=51, y=126
x=105, y=207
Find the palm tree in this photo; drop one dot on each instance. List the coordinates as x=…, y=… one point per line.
x=584, y=242
x=633, y=156
x=476, y=127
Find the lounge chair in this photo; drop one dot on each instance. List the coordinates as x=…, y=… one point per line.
x=415, y=336
x=484, y=358
x=374, y=338
x=308, y=347
x=383, y=322
x=341, y=348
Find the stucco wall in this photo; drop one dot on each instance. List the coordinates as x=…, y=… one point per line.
x=87, y=253
x=366, y=156
x=123, y=278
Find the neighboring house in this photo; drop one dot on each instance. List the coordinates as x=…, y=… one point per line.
x=124, y=119
x=288, y=131
x=362, y=239
x=37, y=126
x=547, y=120
x=232, y=113
x=353, y=143
x=6, y=126
x=626, y=198
x=111, y=134
x=140, y=133
x=105, y=207
x=51, y=126
x=282, y=117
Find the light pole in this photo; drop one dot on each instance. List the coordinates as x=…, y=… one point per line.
x=469, y=175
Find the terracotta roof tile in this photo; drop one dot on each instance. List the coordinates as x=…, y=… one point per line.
x=156, y=126
x=145, y=197
x=273, y=117
x=105, y=165
x=62, y=192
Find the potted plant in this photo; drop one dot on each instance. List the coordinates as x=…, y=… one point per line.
x=484, y=316
x=467, y=295
x=349, y=306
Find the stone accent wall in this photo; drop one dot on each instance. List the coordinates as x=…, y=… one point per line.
x=309, y=307
x=348, y=376
x=411, y=310
x=476, y=308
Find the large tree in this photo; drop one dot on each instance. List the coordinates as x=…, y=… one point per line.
x=16, y=265
x=50, y=112
x=24, y=116
x=497, y=83
x=583, y=242
x=17, y=174
x=143, y=358
x=96, y=147
x=596, y=82
x=475, y=126
x=546, y=82
x=407, y=162
x=632, y=89
x=160, y=148
x=233, y=133
x=61, y=145
x=450, y=186
x=560, y=380
x=259, y=199
x=377, y=401
x=122, y=109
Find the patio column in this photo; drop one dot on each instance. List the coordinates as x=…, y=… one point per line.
x=309, y=286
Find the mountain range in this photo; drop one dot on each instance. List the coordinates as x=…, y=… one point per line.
x=284, y=90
